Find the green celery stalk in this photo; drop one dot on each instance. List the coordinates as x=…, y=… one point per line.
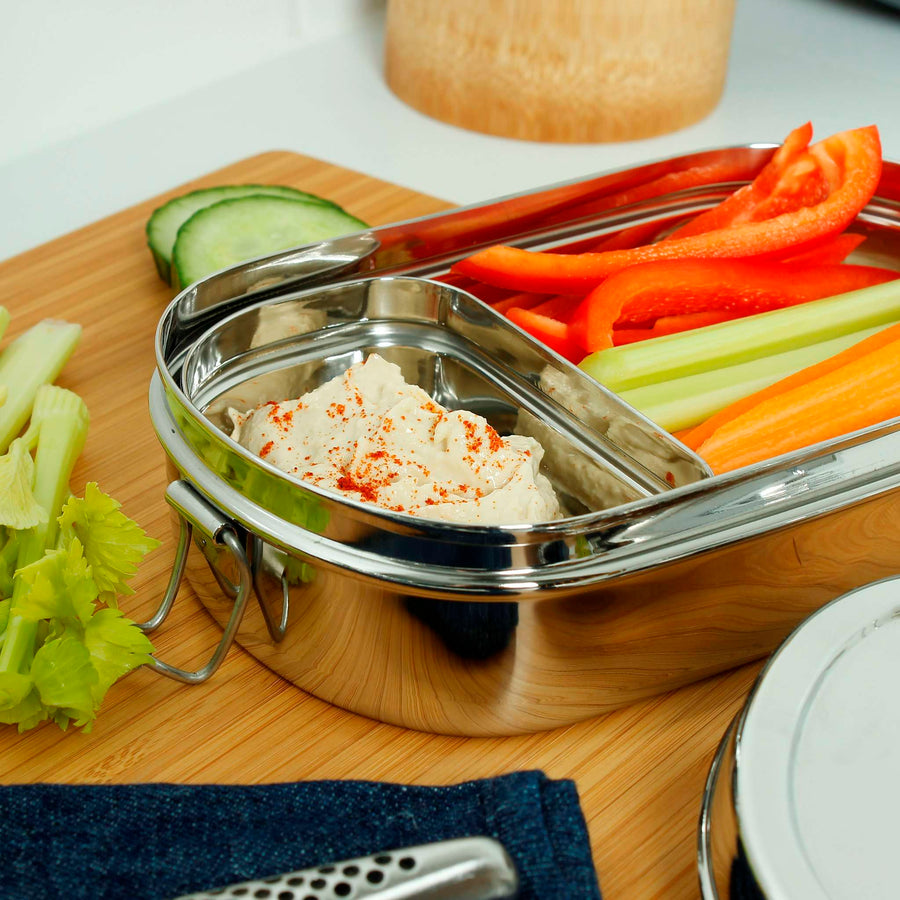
x=729, y=343
x=4, y=319
x=685, y=402
x=8, y=556
x=34, y=358
x=61, y=420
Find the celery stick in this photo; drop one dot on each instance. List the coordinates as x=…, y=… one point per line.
x=8, y=556
x=62, y=419
x=729, y=343
x=685, y=402
x=4, y=319
x=34, y=358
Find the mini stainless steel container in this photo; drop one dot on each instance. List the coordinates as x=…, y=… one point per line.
x=644, y=587
x=803, y=794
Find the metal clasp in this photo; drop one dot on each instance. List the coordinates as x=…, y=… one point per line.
x=194, y=511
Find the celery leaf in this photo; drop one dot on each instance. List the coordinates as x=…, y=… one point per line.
x=113, y=544
x=26, y=712
x=58, y=586
x=18, y=508
x=14, y=688
x=65, y=677
x=116, y=646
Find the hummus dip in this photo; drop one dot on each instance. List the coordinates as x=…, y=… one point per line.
x=372, y=437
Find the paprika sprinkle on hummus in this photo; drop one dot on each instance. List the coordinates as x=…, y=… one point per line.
x=372, y=437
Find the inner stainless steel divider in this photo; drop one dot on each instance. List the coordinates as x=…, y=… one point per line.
x=466, y=356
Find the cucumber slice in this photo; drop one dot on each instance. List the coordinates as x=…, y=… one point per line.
x=232, y=231
x=163, y=224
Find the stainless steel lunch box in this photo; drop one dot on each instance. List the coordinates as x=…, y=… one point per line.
x=660, y=574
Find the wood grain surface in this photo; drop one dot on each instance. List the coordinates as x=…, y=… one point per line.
x=640, y=770
x=572, y=71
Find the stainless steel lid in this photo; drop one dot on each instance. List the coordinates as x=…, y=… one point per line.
x=815, y=760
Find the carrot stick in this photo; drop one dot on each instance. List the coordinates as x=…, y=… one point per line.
x=700, y=433
x=858, y=393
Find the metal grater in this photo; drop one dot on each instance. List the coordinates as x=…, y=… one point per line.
x=474, y=868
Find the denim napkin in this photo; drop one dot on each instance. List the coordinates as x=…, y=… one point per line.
x=157, y=841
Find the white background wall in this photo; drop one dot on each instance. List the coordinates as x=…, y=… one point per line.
x=123, y=56
x=104, y=103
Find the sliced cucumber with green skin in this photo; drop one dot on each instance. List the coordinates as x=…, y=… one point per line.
x=163, y=224
x=233, y=231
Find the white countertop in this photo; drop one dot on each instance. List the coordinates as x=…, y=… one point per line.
x=62, y=166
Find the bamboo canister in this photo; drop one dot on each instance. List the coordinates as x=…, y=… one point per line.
x=560, y=70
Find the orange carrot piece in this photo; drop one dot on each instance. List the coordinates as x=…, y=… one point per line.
x=858, y=393
x=699, y=433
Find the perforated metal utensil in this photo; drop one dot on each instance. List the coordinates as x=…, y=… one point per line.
x=474, y=868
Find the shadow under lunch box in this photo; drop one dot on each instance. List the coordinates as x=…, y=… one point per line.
x=659, y=573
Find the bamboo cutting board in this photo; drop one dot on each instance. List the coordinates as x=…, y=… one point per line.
x=640, y=770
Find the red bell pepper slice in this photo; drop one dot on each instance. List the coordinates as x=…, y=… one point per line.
x=833, y=251
x=626, y=239
x=488, y=293
x=526, y=301
x=792, y=178
x=672, y=325
x=852, y=160
x=622, y=336
x=560, y=307
x=552, y=332
x=687, y=321
x=740, y=287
